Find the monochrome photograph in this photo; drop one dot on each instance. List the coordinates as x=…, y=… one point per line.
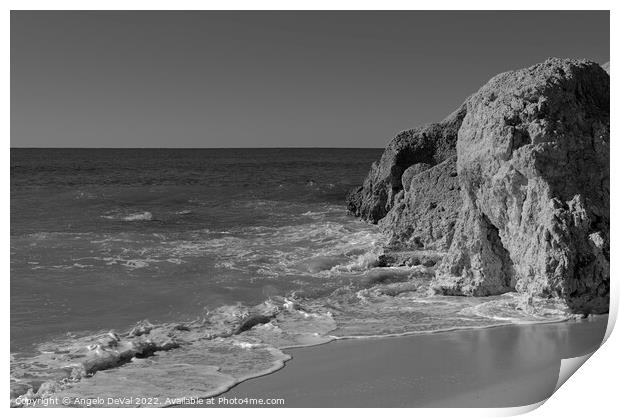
x=271, y=208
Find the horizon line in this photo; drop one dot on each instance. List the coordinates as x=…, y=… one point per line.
x=194, y=148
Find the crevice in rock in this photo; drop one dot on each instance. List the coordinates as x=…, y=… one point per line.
x=497, y=247
x=520, y=138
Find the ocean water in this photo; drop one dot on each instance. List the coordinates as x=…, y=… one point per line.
x=188, y=244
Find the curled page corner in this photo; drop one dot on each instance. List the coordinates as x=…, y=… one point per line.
x=568, y=367
x=517, y=410
x=611, y=318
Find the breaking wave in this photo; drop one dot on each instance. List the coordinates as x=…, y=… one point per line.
x=321, y=248
x=131, y=217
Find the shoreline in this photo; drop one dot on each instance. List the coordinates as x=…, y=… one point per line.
x=501, y=366
x=432, y=338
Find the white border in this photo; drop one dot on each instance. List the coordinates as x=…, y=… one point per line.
x=308, y=5
x=591, y=393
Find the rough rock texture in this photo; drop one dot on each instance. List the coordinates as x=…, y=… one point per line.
x=533, y=165
x=411, y=172
x=425, y=216
x=606, y=67
x=426, y=146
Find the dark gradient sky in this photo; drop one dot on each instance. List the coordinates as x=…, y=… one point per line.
x=265, y=79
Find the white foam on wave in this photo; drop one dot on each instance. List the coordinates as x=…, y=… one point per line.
x=362, y=262
x=245, y=344
x=522, y=309
x=136, y=264
x=452, y=313
x=323, y=245
x=132, y=217
x=142, y=216
x=321, y=249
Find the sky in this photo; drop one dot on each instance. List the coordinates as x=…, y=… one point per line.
x=266, y=79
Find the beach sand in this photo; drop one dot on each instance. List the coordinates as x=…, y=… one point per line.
x=495, y=367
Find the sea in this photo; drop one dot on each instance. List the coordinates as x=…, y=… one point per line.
x=190, y=242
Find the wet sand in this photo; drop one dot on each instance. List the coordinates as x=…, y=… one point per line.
x=494, y=367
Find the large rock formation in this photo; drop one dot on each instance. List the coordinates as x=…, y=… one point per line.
x=515, y=184
x=533, y=164
x=423, y=147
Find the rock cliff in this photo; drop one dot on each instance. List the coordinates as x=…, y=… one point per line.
x=521, y=202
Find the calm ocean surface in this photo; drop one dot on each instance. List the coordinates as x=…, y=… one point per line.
x=104, y=238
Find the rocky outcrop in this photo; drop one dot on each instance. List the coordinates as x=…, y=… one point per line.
x=533, y=166
x=421, y=148
x=425, y=216
x=510, y=192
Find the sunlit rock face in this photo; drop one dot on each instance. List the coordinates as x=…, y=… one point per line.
x=533, y=168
